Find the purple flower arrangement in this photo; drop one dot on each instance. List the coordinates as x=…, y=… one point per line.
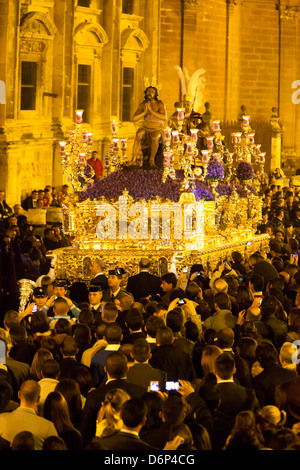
x=215, y=170
x=244, y=171
x=143, y=184
x=140, y=184
x=241, y=192
x=224, y=189
x=202, y=191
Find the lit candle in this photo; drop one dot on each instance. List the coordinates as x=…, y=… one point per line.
x=89, y=138
x=233, y=138
x=210, y=142
x=114, y=126
x=115, y=144
x=246, y=121
x=189, y=147
x=180, y=114
x=216, y=125
x=62, y=147
x=123, y=144
x=167, y=158
x=262, y=158
x=251, y=138
x=81, y=161
x=84, y=136
x=205, y=156
x=175, y=136
x=194, y=134
x=239, y=137
x=167, y=132
x=79, y=113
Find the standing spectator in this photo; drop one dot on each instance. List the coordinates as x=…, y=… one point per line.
x=97, y=164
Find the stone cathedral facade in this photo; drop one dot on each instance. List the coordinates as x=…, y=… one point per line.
x=57, y=56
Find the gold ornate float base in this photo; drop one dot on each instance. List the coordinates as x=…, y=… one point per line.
x=74, y=263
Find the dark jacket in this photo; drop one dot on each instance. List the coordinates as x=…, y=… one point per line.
x=176, y=363
x=143, y=285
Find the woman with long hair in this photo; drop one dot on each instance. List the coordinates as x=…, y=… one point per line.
x=70, y=389
x=245, y=434
x=56, y=410
x=39, y=358
x=108, y=419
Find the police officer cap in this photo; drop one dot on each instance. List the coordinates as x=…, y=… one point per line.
x=39, y=292
x=116, y=272
x=60, y=283
x=96, y=288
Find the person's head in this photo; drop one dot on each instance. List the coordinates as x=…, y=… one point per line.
x=54, y=443
x=39, y=358
x=97, y=266
x=109, y=313
x=133, y=414
x=222, y=301
x=141, y=351
x=60, y=307
x=269, y=417
x=11, y=318
x=50, y=369
x=134, y=319
x=164, y=336
x=175, y=320
x=225, y=338
x=63, y=327
x=86, y=317
x=82, y=375
x=29, y=394
x=286, y=354
x=113, y=333
x=192, y=331
x=246, y=348
x=70, y=389
x=82, y=334
x=294, y=319
x=168, y=282
x=23, y=440
x=225, y=366
x=60, y=287
x=208, y=358
x=192, y=291
x=266, y=355
x=18, y=334
x=152, y=324
x=268, y=306
x=112, y=405
x=56, y=410
x=95, y=295
x=69, y=347
x=255, y=258
x=40, y=297
x=219, y=285
x=173, y=409
x=116, y=365
x=256, y=283
x=125, y=302
x=39, y=322
x=144, y=264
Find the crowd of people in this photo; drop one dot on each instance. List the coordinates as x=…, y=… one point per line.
x=196, y=360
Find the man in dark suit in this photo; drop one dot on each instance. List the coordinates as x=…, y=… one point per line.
x=142, y=373
x=113, y=336
x=30, y=201
x=99, y=278
x=273, y=374
x=143, y=284
x=134, y=323
x=116, y=369
x=233, y=398
x=176, y=363
x=134, y=416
